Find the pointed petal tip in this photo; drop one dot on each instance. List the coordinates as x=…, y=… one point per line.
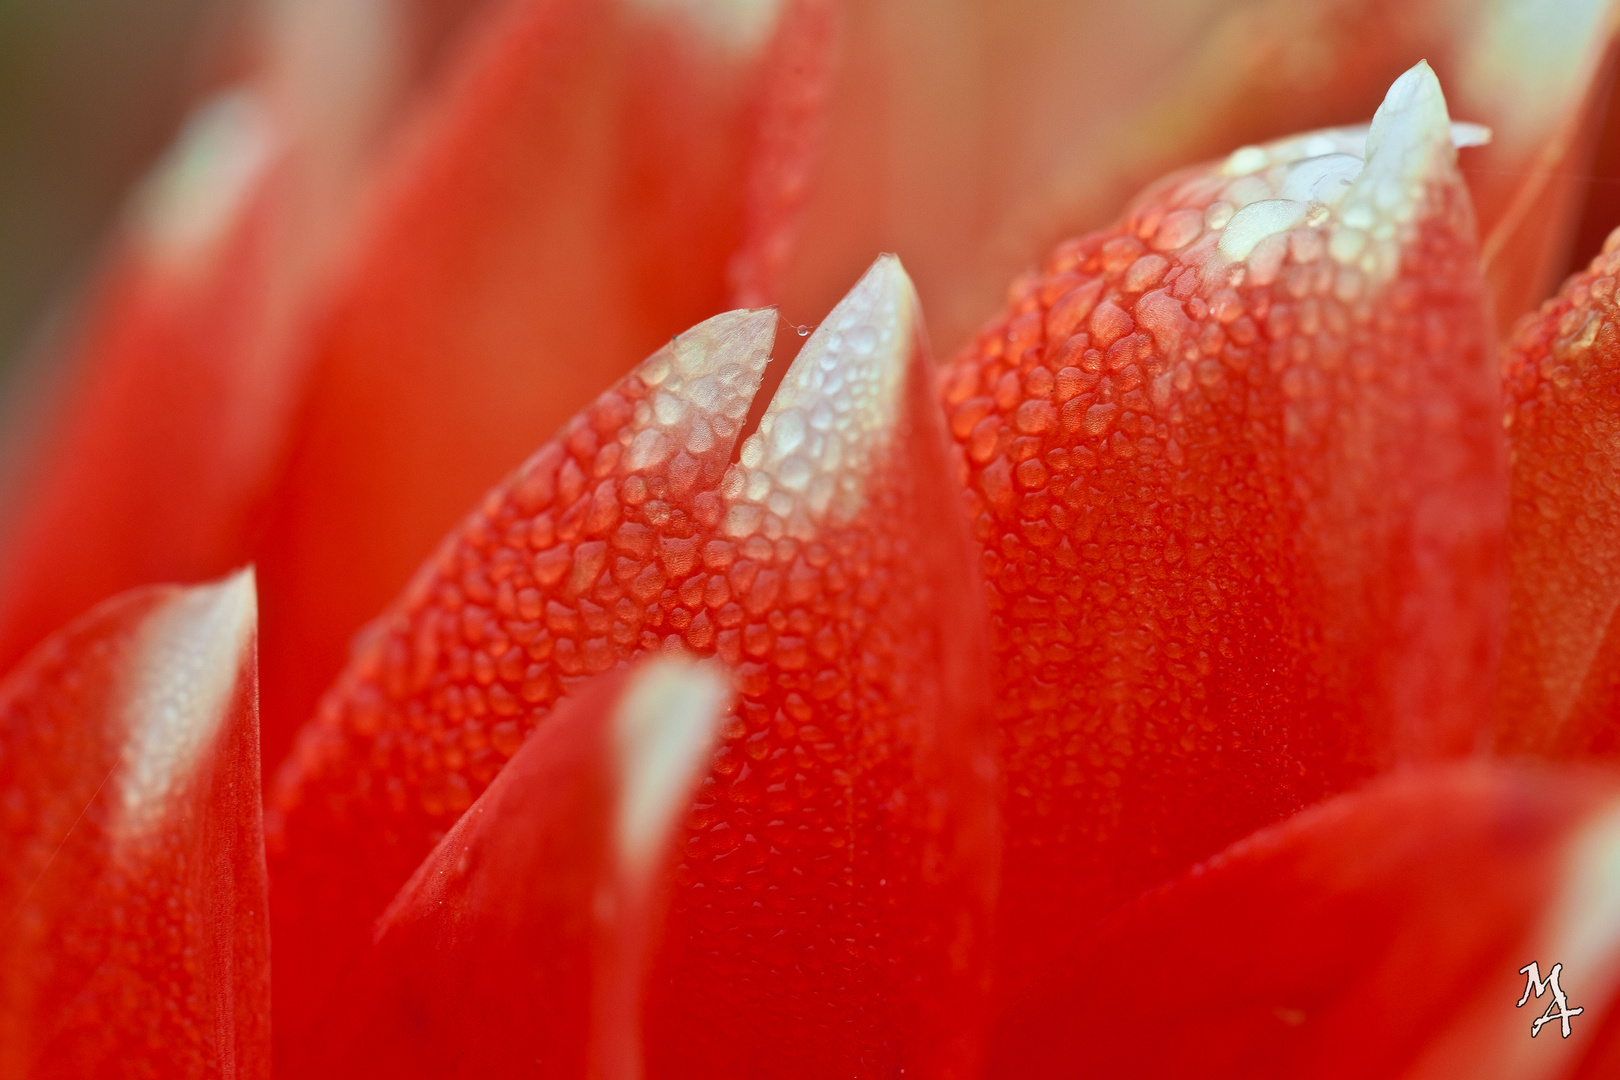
x=1409, y=145
x=740, y=27
x=836, y=406
x=182, y=681
x=1365, y=184
x=239, y=591
x=1585, y=920
x=1410, y=125
x=196, y=192
x=664, y=730
x=743, y=336
x=701, y=384
x=218, y=617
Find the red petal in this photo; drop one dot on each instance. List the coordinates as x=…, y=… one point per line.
x=1561, y=669
x=132, y=887
x=167, y=420
x=833, y=900
x=1236, y=478
x=525, y=938
x=832, y=917
x=179, y=390
x=1378, y=935
x=584, y=182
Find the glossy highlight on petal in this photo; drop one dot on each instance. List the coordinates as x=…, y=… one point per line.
x=177, y=382
x=832, y=913
x=552, y=581
x=525, y=937
x=169, y=408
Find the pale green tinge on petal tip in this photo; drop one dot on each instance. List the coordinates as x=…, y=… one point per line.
x=193, y=196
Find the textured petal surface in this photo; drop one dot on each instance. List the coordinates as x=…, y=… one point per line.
x=132, y=883
x=1561, y=377
x=590, y=178
x=525, y=938
x=1236, y=472
x=1380, y=934
x=832, y=915
x=834, y=894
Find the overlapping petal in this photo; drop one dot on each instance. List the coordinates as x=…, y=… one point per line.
x=973, y=135
x=132, y=885
x=526, y=938
x=1236, y=473
x=146, y=454
x=1561, y=669
x=1379, y=934
x=590, y=178
x=172, y=398
x=834, y=898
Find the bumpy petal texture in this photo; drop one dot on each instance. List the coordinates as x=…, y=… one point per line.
x=1561, y=381
x=972, y=135
x=832, y=903
x=523, y=942
x=133, y=912
x=1380, y=934
x=589, y=178
x=1235, y=468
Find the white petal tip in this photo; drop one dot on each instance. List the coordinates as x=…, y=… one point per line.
x=183, y=677
x=740, y=27
x=1464, y=134
x=1257, y=221
x=836, y=406
x=195, y=195
x=700, y=386
x=664, y=731
x=1412, y=116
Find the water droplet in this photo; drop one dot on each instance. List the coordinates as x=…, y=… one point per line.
x=803, y=331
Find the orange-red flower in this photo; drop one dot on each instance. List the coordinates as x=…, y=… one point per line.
x=1143, y=688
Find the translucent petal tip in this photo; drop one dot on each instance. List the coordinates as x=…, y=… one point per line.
x=1412, y=120
x=1366, y=186
x=664, y=730
x=835, y=408
x=701, y=385
x=181, y=682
